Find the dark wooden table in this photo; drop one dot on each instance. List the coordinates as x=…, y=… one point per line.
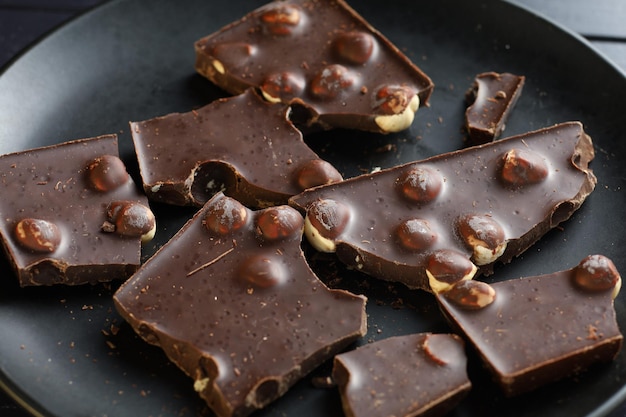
x=22, y=22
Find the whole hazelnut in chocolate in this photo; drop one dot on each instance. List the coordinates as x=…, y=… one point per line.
x=331, y=81
x=282, y=87
x=106, y=173
x=38, y=235
x=279, y=222
x=262, y=271
x=129, y=218
x=523, y=167
x=415, y=234
x=280, y=19
x=484, y=235
x=446, y=267
x=420, y=184
x=317, y=172
x=471, y=295
x=325, y=221
x=597, y=273
x=354, y=47
x=224, y=216
x=392, y=99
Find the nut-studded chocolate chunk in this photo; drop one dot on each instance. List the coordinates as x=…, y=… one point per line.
x=51, y=226
x=534, y=330
x=412, y=375
x=452, y=216
x=242, y=146
x=240, y=311
x=322, y=56
x=491, y=99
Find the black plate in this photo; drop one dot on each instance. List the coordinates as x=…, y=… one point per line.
x=65, y=351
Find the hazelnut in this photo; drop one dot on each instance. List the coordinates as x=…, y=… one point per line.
x=280, y=222
x=523, y=167
x=317, y=172
x=130, y=218
x=262, y=272
x=38, y=235
x=231, y=54
x=597, y=273
x=415, y=234
x=420, y=184
x=470, y=294
x=396, y=107
x=282, y=87
x=325, y=220
x=106, y=173
x=445, y=267
x=355, y=47
x=484, y=235
x=224, y=216
x=330, y=81
x=281, y=20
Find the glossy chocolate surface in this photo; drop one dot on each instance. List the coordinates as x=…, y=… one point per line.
x=419, y=374
x=250, y=317
x=242, y=145
x=321, y=55
x=540, y=329
x=491, y=99
x=440, y=192
x=52, y=223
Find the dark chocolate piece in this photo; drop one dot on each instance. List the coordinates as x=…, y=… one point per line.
x=490, y=101
x=535, y=330
x=449, y=214
x=243, y=146
x=414, y=375
x=232, y=301
x=56, y=224
x=322, y=56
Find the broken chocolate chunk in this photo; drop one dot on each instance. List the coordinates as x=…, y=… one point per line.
x=402, y=376
x=322, y=56
x=491, y=99
x=243, y=146
x=536, y=330
x=231, y=300
x=52, y=224
x=452, y=215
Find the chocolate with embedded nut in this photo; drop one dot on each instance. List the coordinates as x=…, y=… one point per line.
x=452, y=215
x=52, y=224
x=413, y=375
x=322, y=56
x=243, y=146
x=239, y=310
x=535, y=330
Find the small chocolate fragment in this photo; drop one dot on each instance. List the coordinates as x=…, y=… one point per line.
x=413, y=375
x=490, y=101
x=477, y=218
x=231, y=300
x=322, y=56
x=52, y=225
x=243, y=146
x=535, y=330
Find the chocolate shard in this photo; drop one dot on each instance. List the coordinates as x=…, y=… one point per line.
x=413, y=375
x=52, y=223
x=243, y=146
x=543, y=328
x=322, y=56
x=452, y=216
x=231, y=300
x=490, y=100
